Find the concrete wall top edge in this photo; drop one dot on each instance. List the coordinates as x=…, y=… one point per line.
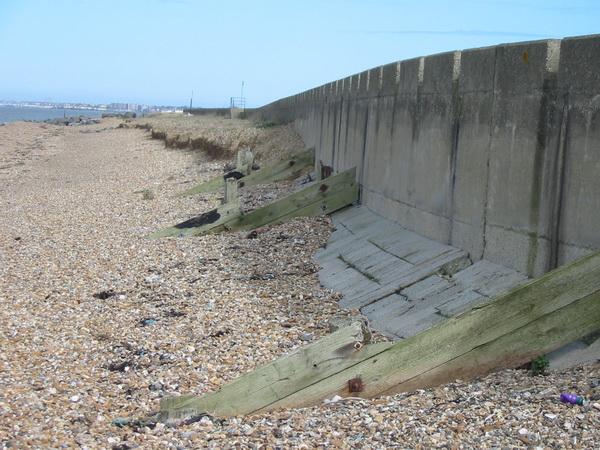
x=363, y=83
x=409, y=75
x=579, y=69
x=438, y=73
x=389, y=78
x=374, y=84
x=582, y=37
x=522, y=67
x=477, y=68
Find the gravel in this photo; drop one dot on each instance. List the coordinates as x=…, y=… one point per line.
x=100, y=322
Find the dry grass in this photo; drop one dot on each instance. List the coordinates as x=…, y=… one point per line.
x=221, y=138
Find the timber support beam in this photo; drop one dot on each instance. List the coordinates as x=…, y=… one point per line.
x=529, y=321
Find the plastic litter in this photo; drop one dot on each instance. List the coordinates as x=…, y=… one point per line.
x=573, y=399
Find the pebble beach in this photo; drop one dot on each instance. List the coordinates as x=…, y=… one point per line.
x=99, y=322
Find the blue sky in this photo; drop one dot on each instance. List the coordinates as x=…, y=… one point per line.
x=158, y=51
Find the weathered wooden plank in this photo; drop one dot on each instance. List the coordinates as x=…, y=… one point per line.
x=384, y=314
x=525, y=318
x=202, y=223
x=316, y=199
x=330, y=203
x=308, y=201
x=402, y=276
x=231, y=191
x=289, y=168
x=515, y=349
x=244, y=161
x=212, y=185
x=260, y=388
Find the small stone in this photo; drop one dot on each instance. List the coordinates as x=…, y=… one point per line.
x=334, y=399
x=188, y=434
x=74, y=398
x=147, y=322
x=206, y=422
x=157, y=386
x=306, y=337
x=550, y=416
x=523, y=431
x=154, y=278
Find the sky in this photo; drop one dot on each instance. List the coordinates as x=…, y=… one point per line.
x=158, y=51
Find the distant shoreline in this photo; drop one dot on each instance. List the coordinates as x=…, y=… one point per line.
x=9, y=114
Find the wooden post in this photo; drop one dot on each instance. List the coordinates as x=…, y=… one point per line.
x=285, y=169
x=249, y=160
x=316, y=199
x=231, y=191
x=239, y=163
x=244, y=161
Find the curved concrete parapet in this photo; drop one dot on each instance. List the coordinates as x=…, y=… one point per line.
x=492, y=150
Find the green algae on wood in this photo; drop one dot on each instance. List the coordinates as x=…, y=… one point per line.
x=531, y=320
x=526, y=322
x=316, y=199
x=287, y=169
x=267, y=384
x=199, y=224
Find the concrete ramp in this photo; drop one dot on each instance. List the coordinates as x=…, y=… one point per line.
x=403, y=282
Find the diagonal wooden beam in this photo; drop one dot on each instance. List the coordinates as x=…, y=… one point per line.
x=266, y=385
x=316, y=199
x=531, y=320
x=288, y=169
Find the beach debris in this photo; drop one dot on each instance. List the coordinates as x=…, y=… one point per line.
x=103, y=295
x=122, y=366
x=147, y=322
x=220, y=333
x=573, y=399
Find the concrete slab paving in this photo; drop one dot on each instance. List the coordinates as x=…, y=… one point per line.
x=575, y=354
x=403, y=282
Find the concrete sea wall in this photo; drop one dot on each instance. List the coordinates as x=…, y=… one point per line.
x=494, y=150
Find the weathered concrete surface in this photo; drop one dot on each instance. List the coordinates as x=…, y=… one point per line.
x=492, y=150
x=521, y=158
x=403, y=282
x=577, y=216
x=575, y=354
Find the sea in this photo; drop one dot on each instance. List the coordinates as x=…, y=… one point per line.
x=13, y=113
